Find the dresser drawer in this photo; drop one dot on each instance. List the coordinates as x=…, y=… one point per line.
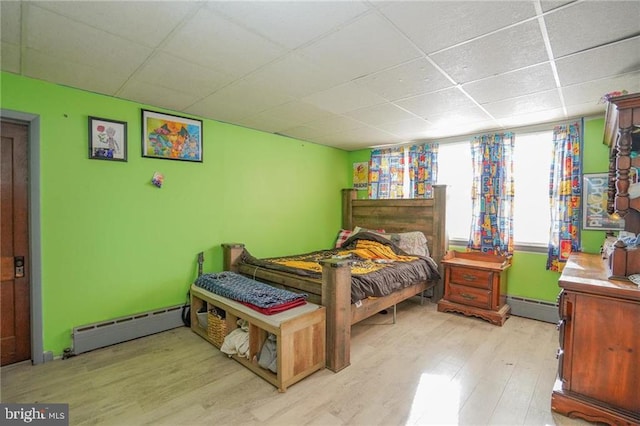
x=470, y=296
x=471, y=277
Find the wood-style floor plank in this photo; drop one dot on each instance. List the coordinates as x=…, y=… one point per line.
x=428, y=368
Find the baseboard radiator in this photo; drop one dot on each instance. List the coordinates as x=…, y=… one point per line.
x=105, y=333
x=534, y=309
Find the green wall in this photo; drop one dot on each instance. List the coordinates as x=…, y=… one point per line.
x=114, y=245
x=528, y=276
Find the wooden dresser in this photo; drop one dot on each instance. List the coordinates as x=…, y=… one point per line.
x=475, y=285
x=599, y=355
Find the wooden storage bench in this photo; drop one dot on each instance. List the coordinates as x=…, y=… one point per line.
x=300, y=335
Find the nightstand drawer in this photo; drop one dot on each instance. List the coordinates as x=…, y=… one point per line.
x=470, y=296
x=471, y=277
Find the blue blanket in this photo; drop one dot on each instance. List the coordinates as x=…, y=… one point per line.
x=242, y=289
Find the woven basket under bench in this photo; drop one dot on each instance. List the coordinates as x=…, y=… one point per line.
x=216, y=328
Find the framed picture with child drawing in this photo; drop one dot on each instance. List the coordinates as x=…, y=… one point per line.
x=171, y=137
x=107, y=139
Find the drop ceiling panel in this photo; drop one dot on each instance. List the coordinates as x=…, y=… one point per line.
x=459, y=116
x=151, y=94
x=531, y=118
x=380, y=114
x=61, y=71
x=10, y=19
x=10, y=57
x=435, y=25
x=297, y=22
x=285, y=116
x=407, y=129
x=512, y=84
x=612, y=23
x=406, y=80
x=238, y=101
x=611, y=60
x=592, y=91
x=147, y=23
x=436, y=102
x=551, y=4
x=346, y=97
x=510, y=49
x=334, y=124
x=522, y=104
x=78, y=43
x=367, y=45
x=295, y=76
x=214, y=42
x=194, y=79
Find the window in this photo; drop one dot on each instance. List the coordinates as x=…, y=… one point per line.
x=532, y=161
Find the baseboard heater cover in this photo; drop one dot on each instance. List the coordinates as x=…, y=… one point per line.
x=535, y=309
x=106, y=333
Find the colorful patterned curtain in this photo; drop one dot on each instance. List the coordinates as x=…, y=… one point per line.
x=492, y=194
x=386, y=173
x=565, y=189
x=423, y=170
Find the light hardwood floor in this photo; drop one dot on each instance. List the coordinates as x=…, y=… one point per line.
x=428, y=368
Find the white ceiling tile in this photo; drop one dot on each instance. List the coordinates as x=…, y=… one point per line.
x=60, y=71
x=346, y=97
x=506, y=50
x=10, y=57
x=413, y=128
x=362, y=136
x=530, y=118
x=586, y=109
x=302, y=132
x=610, y=60
x=436, y=102
x=406, y=80
x=458, y=117
x=214, y=42
x=144, y=22
x=380, y=114
x=553, y=4
x=297, y=22
x=285, y=116
x=152, y=94
x=434, y=25
x=612, y=21
x=66, y=39
x=512, y=84
x=462, y=129
x=193, y=79
x=10, y=18
x=334, y=124
x=367, y=45
x=592, y=91
x=522, y=104
x=296, y=76
x=237, y=101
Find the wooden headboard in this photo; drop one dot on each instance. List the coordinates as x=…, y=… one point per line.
x=401, y=215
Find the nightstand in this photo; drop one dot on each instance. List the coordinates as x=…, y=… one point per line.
x=475, y=284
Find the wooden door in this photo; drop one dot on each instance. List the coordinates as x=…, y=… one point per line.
x=15, y=330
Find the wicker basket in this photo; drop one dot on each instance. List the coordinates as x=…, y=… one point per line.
x=216, y=328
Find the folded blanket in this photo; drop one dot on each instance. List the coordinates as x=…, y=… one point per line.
x=259, y=296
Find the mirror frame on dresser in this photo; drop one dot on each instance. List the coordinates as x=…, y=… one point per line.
x=622, y=118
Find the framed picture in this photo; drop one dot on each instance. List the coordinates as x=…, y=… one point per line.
x=594, y=203
x=107, y=139
x=171, y=137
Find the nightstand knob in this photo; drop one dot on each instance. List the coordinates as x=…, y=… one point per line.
x=469, y=277
x=467, y=296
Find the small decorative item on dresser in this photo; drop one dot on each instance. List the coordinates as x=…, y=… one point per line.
x=475, y=284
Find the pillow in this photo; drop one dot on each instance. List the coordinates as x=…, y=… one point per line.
x=343, y=236
x=414, y=243
x=358, y=229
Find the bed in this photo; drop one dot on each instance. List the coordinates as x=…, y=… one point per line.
x=332, y=288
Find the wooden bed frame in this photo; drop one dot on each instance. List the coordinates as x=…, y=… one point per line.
x=402, y=215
